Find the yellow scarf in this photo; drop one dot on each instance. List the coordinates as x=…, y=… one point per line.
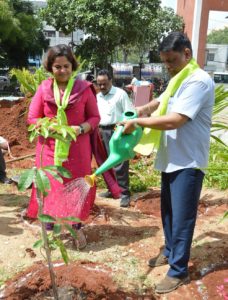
x=151, y=138
x=62, y=148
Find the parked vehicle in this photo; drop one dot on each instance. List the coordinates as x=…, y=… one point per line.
x=221, y=78
x=4, y=83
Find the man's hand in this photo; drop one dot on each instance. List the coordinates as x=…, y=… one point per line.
x=140, y=111
x=129, y=126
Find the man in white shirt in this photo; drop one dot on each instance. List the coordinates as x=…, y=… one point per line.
x=182, y=154
x=112, y=103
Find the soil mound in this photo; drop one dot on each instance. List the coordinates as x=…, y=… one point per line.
x=13, y=126
x=82, y=280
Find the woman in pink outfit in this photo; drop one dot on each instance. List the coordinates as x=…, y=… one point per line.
x=82, y=115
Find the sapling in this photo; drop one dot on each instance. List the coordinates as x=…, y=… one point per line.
x=49, y=127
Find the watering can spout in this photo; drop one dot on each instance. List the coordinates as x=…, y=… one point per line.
x=121, y=148
x=90, y=180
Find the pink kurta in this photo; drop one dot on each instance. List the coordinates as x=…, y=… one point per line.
x=82, y=107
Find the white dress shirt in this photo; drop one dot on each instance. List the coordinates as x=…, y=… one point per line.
x=112, y=105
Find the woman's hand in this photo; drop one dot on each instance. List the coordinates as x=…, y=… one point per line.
x=77, y=130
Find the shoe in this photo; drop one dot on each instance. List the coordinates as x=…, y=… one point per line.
x=106, y=194
x=169, y=284
x=160, y=260
x=125, y=201
x=49, y=226
x=6, y=180
x=80, y=242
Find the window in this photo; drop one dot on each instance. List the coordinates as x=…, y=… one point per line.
x=210, y=56
x=61, y=34
x=49, y=33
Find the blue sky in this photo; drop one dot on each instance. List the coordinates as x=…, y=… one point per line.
x=217, y=19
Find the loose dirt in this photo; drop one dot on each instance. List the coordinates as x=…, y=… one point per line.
x=120, y=242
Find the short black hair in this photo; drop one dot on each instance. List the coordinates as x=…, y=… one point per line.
x=60, y=50
x=104, y=72
x=175, y=41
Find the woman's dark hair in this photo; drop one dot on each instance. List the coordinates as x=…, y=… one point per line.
x=175, y=41
x=104, y=72
x=59, y=50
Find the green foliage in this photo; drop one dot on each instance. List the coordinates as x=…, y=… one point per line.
x=46, y=218
x=217, y=172
x=111, y=25
x=219, y=123
x=21, y=33
x=225, y=216
x=7, y=21
x=50, y=127
x=54, y=240
x=143, y=175
x=26, y=179
x=29, y=81
x=219, y=36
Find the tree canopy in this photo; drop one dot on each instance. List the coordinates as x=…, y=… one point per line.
x=218, y=36
x=111, y=24
x=21, y=33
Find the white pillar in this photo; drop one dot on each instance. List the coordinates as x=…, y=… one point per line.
x=196, y=27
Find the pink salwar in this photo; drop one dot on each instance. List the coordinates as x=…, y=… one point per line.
x=82, y=107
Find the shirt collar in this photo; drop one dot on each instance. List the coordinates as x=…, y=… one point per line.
x=111, y=92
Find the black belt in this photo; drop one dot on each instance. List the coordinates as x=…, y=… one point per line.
x=108, y=127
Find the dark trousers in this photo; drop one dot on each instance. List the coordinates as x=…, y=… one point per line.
x=2, y=165
x=121, y=170
x=180, y=193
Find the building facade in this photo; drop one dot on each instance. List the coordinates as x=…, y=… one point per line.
x=195, y=14
x=216, y=58
x=54, y=36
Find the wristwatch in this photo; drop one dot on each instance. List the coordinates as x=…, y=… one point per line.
x=81, y=129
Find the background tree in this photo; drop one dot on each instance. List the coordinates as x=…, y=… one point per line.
x=108, y=24
x=21, y=33
x=218, y=36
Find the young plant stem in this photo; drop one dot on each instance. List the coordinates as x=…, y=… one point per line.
x=40, y=199
x=46, y=247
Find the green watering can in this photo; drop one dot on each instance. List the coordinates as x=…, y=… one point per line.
x=121, y=148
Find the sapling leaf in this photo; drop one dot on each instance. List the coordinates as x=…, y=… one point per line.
x=58, y=137
x=26, y=179
x=42, y=182
x=71, y=230
x=72, y=133
x=63, y=251
x=225, y=216
x=31, y=127
x=64, y=172
x=63, y=131
x=44, y=132
x=32, y=136
x=72, y=219
x=38, y=244
x=46, y=218
x=55, y=175
x=57, y=228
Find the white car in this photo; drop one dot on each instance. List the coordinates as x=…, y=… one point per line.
x=4, y=83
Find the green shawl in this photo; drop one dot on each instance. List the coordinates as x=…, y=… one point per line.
x=62, y=148
x=151, y=138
